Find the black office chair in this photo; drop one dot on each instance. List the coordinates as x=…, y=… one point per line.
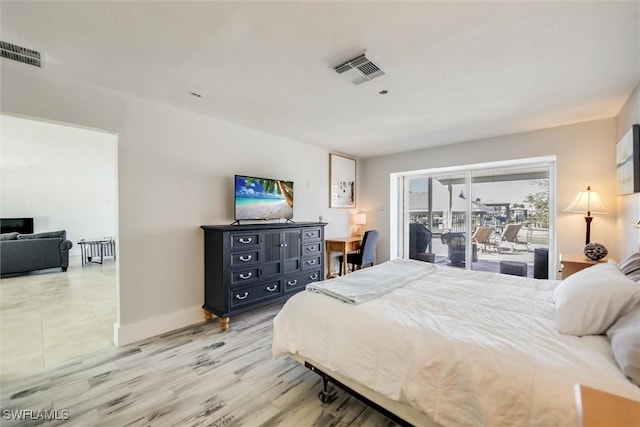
x=419, y=240
x=366, y=254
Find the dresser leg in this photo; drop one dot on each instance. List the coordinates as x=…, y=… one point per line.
x=207, y=315
x=224, y=323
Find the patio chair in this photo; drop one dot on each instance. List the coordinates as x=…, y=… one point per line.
x=455, y=243
x=482, y=236
x=419, y=240
x=510, y=235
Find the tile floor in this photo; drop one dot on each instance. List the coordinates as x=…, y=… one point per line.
x=48, y=317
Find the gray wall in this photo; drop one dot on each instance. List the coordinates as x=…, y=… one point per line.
x=175, y=173
x=584, y=157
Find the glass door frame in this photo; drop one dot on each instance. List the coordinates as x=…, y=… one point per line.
x=399, y=202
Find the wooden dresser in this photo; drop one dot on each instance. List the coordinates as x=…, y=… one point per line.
x=247, y=266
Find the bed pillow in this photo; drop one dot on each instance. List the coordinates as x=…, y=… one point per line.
x=625, y=343
x=591, y=300
x=630, y=266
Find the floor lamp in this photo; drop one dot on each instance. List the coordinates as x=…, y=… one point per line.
x=587, y=202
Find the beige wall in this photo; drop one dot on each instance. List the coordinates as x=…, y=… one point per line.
x=175, y=173
x=584, y=157
x=629, y=205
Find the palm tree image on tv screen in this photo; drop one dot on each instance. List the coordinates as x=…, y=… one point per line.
x=261, y=198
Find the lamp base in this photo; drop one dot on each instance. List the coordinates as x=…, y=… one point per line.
x=588, y=220
x=595, y=251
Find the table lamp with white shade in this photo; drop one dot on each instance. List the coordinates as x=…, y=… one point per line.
x=588, y=202
x=359, y=219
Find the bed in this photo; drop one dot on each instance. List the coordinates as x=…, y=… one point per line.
x=452, y=347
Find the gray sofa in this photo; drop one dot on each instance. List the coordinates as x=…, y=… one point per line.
x=20, y=253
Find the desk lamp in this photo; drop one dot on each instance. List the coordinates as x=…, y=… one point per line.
x=359, y=220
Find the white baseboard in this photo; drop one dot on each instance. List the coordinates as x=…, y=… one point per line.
x=127, y=334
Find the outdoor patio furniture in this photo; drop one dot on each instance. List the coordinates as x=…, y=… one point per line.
x=419, y=240
x=514, y=268
x=510, y=235
x=482, y=236
x=541, y=263
x=455, y=242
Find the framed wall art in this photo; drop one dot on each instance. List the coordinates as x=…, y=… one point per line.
x=342, y=181
x=628, y=161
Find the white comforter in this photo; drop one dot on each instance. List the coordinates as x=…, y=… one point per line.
x=467, y=348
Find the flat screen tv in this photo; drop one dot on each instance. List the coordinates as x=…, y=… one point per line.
x=21, y=225
x=262, y=198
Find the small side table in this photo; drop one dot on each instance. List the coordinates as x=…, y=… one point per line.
x=598, y=408
x=572, y=263
x=92, y=248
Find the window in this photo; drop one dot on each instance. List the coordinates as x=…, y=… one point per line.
x=490, y=217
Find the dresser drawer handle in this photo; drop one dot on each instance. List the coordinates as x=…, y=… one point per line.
x=272, y=289
x=311, y=248
x=246, y=294
x=245, y=241
x=292, y=282
x=311, y=261
x=314, y=277
x=244, y=258
x=245, y=276
x=311, y=234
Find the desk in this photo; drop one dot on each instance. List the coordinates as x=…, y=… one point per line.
x=597, y=408
x=343, y=245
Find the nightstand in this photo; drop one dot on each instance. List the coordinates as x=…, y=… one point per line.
x=597, y=408
x=572, y=263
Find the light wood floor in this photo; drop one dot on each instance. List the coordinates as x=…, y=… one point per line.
x=51, y=316
x=197, y=376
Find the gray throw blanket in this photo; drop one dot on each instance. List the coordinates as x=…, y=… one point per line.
x=369, y=283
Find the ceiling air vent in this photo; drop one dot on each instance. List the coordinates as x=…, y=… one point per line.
x=359, y=70
x=20, y=54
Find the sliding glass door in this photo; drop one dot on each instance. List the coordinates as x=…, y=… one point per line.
x=481, y=217
x=510, y=221
x=435, y=209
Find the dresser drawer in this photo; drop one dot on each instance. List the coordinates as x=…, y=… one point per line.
x=249, y=295
x=310, y=234
x=244, y=240
x=298, y=282
x=245, y=258
x=311, y=248
x=310, y=263
x=246, y=275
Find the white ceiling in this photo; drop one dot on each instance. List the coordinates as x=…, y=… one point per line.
x=455, y=71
